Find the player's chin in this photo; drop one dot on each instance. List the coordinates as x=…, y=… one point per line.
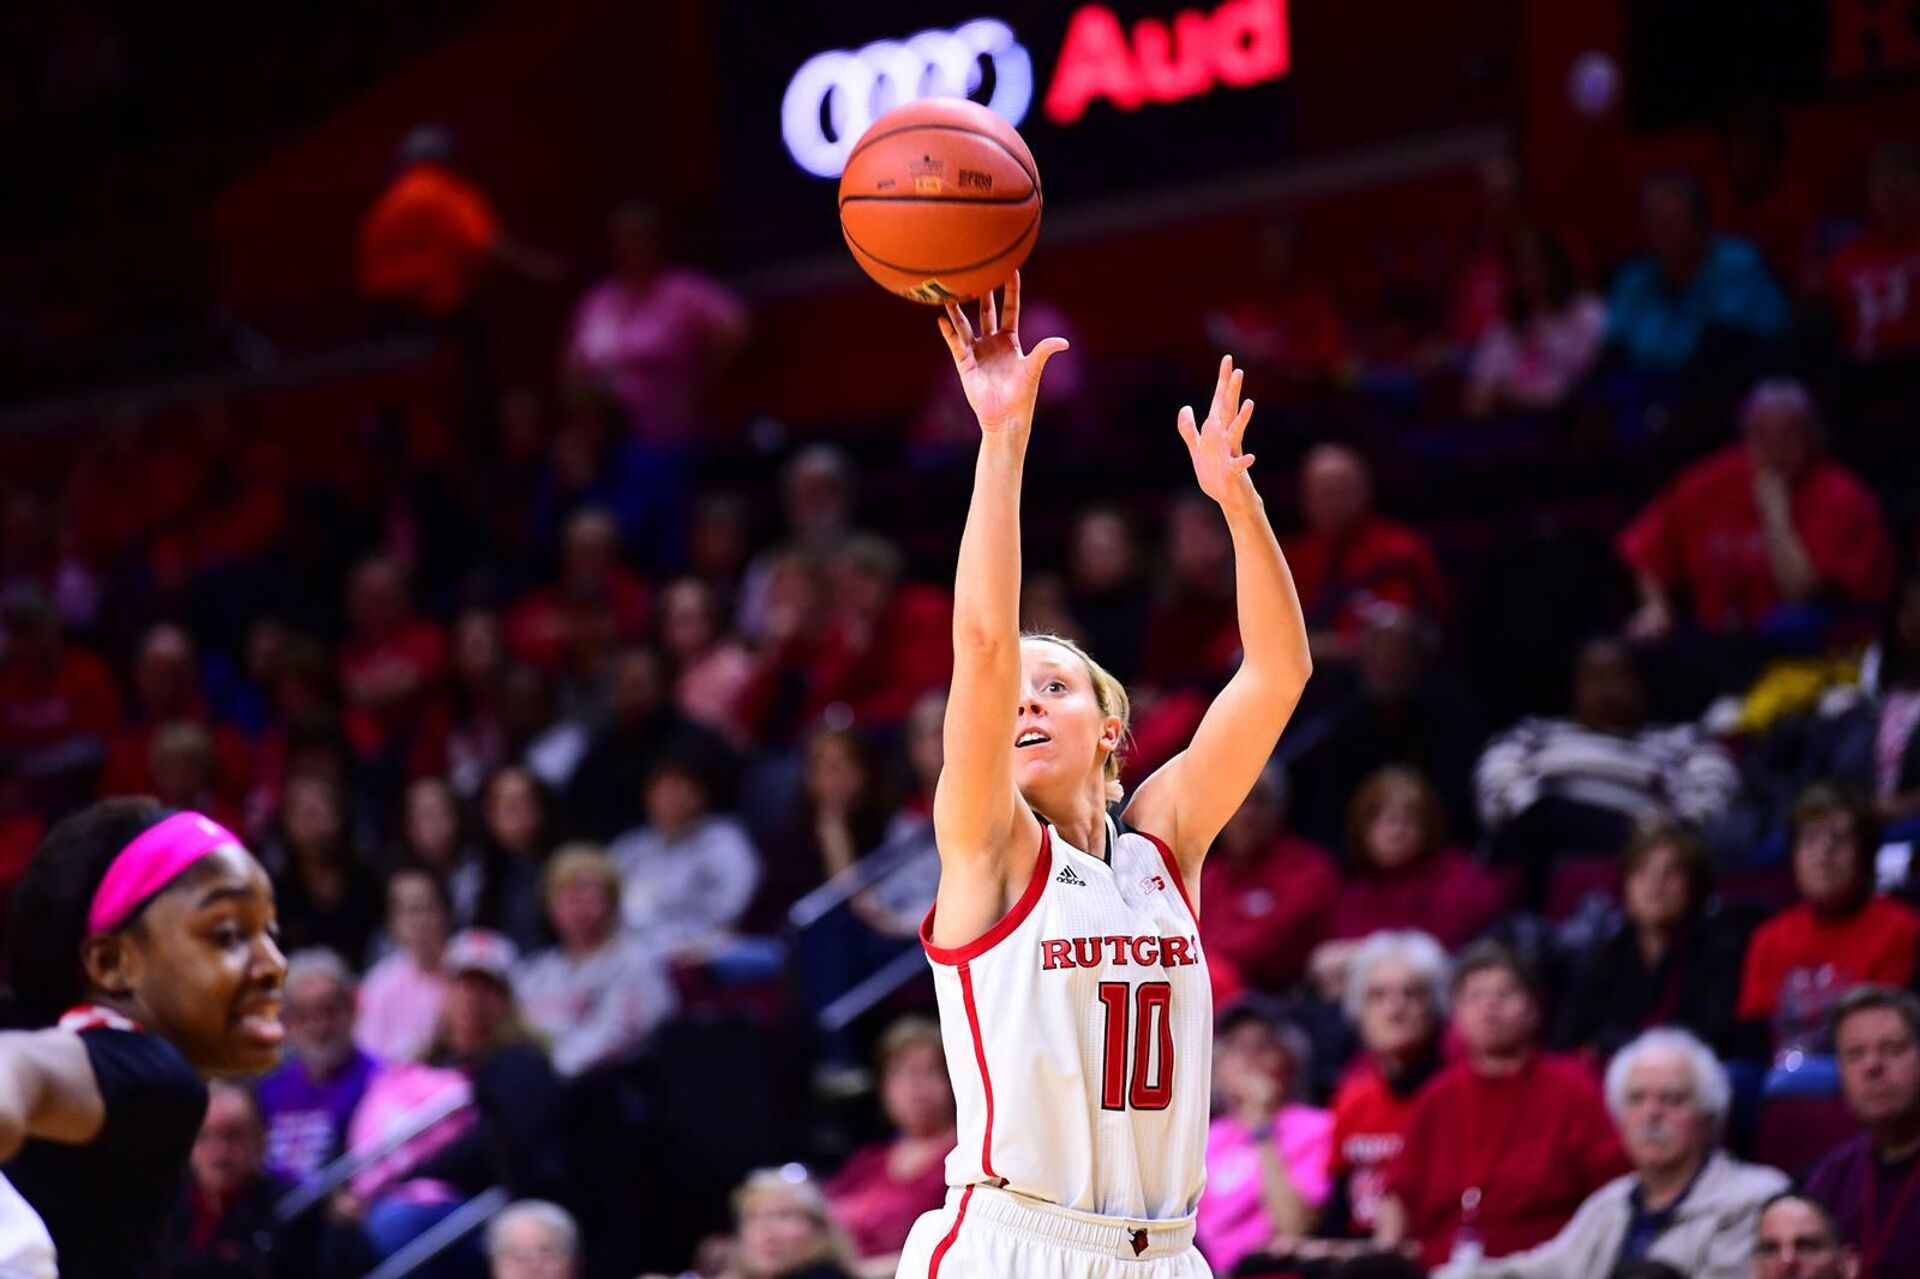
x=253, y=1043
x=1031, y=769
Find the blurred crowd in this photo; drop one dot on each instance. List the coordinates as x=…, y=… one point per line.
x=593, y=759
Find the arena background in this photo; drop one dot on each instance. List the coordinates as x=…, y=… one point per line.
x=206, y=423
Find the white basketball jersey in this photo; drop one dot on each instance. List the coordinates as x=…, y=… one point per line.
x=1079, y=1036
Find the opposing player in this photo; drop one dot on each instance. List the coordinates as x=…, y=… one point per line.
x=142, y=959
x=1071, y=983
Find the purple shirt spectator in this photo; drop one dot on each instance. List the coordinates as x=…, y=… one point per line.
x=308, y=1102
x=307, y=1116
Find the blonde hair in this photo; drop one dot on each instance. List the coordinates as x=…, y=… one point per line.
x=793, y=1180
x=580, y=860
x=1110, y=695
x=911, y=1031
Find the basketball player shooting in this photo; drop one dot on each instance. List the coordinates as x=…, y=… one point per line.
x=1064, y=941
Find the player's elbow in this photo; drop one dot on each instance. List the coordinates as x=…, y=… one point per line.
x=983, y=647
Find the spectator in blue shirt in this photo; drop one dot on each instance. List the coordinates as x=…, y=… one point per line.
x=1692, y=288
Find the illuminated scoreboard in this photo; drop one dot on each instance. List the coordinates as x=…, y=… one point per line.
x=1115, y=98
x=837, y=93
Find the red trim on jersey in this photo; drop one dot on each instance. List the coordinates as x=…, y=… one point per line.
x=953, y=1233
x=980, y=1057
x=986, y=941
x=1173, y=869
x=94, y=1017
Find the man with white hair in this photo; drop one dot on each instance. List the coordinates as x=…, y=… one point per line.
x=1686, y=1202
x=533, y=1239
x=308, y=1102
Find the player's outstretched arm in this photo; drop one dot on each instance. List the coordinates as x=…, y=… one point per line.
x=975, y=804
x=47, y=1090
x=1191, y=797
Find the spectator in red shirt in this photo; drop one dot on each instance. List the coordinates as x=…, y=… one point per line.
x=393, y=667
x=883, y=1188
x=1349, y=556
x=885, y=641
x=58, y=707
x=1396, y=996
x=1842, y=933
x=429, y=240
x=166, y=688
x=1874, y=278
x=1405, y=874
x=1504, y=1145
x=239, y=508
x=116, y=524
x=1759, y=532
x=1291, y=325
x=539, y=627
x=1270, y=894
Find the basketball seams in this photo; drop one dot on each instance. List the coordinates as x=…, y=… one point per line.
x=1033, y=176
x=1032, y=225
x=993, y=200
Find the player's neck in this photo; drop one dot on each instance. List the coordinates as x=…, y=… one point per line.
x=1085, y=831
x=1081, y=818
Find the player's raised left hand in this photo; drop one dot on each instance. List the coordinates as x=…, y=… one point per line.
x=1218, y=464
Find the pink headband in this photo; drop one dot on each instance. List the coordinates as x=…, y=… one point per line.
x=152, y=861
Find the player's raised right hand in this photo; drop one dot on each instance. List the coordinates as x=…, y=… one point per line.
x=1002, y=382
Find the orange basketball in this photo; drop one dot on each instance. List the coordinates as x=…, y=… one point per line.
x=940, y=200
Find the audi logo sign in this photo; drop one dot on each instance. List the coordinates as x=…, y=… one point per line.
x=834, y=96
x=1189, y=53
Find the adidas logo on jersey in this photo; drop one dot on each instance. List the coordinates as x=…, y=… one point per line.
x=1066, y=876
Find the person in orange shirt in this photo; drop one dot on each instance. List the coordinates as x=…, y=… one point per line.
x=431, y=237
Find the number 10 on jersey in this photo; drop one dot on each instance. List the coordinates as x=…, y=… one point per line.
x=1138, y=1072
